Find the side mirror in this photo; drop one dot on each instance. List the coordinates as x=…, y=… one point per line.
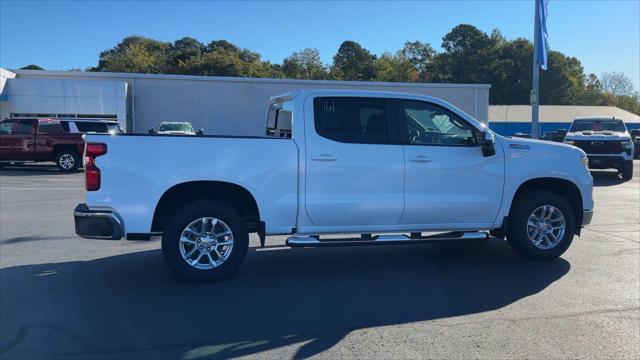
x=152, y=131
x=200, y=132
x=488, y=144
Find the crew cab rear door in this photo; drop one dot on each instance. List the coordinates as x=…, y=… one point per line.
x=449, y=183
x=354, y=174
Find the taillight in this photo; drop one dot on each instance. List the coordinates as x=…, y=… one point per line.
x=91, y=171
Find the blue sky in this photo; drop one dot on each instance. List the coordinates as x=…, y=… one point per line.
x=604, y=35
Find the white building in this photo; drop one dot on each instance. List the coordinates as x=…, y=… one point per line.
x=509, y=119
x=220, y=105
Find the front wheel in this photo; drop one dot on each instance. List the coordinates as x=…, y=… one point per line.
x=68, y=160
x=541, y=225
x=205, y=241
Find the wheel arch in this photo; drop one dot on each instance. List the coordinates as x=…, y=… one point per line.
x=562, y=187
x=236, y=196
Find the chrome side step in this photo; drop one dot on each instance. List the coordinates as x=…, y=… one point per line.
x=310, y=241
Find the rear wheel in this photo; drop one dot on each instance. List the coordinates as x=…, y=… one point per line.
x=541, y=225
x=205, y=241
x=627, y=171
x=67, y=160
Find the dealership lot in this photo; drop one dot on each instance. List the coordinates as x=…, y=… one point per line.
x=74, y=298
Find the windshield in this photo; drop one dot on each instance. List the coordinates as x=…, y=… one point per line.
x=598, y=125
x=176, y=127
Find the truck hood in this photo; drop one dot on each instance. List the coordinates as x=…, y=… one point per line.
x=598, y=135
x=176, y=132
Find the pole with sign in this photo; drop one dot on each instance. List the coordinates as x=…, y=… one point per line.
x=539, y=62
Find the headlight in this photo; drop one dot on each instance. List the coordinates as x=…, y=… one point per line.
x=570, y=142
x=627, y=144
x=585, y=161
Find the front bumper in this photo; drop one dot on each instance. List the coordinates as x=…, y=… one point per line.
x=97, y=223
x=587, y=215
x=602, y=161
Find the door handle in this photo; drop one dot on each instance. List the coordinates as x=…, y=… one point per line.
x=324, y=157
x=421, y=159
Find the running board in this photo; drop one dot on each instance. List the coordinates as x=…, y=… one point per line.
x=310, y=241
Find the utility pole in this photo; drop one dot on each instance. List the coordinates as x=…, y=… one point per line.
x=535, y=91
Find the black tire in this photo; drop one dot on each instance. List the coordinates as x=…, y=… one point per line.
x=627, y=171
x=193, y=211
x=522, y=208
x=68, y=160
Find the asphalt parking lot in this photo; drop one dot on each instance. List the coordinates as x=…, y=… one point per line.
x=63, y=296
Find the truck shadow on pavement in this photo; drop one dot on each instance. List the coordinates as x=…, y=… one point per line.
x=131, y=306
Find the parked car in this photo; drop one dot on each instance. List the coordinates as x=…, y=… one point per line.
x=377, y=164
x=522, y=135
x=635, y=137
x=555, y=136
x=176, y=128
x=59, y=140
x=606, y=142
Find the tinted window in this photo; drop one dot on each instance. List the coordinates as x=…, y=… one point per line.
x=430, y=124
x=95, y=127
x=6, y=128
x=25, y=127
x=351, y=120
x=65, y=126
x=49, y=127
x=598, y=125
x=175, y=127
x=280, y=120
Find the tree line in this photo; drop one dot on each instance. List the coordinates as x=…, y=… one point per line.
x=469, y=55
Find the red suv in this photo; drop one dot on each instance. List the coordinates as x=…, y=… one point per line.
x=59, y=140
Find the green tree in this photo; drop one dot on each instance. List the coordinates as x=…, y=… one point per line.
x=135, y=54
x=353, y=62
x=305, y=64
x=420, y=55
x=32, y=67
x=185, y=49
x=395, y=68
x=223, y=58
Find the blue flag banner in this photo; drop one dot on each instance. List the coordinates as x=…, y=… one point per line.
x=543, y=45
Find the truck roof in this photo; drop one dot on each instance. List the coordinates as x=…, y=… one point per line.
x=596, y=118
x=290, y=95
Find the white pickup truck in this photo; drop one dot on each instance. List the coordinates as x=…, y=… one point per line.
x=387, y=168
x=606, y=141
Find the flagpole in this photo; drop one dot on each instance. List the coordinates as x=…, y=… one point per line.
x=535, y=91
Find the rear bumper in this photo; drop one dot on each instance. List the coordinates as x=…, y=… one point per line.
x=97, y=223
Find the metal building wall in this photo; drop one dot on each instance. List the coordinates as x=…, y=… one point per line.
x=238, y=106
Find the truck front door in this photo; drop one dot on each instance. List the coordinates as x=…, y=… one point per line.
x=449, y=183
x=354, y=174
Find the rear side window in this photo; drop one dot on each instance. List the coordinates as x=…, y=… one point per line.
x=351, y=120
x=50, y=127
x=86, y=127
x=280, y=120
x=25, y=127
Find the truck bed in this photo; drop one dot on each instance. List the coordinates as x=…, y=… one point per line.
x=138, y=169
